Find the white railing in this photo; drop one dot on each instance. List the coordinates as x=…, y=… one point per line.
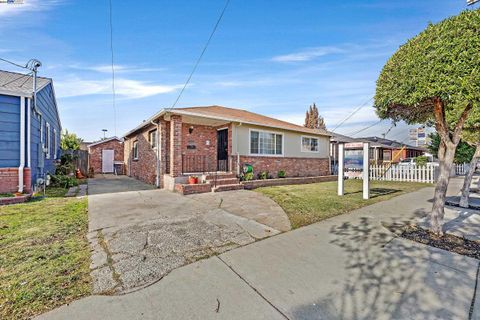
x=412, y=173
x=461, y=168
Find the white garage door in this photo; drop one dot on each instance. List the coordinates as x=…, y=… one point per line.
x=107, y=161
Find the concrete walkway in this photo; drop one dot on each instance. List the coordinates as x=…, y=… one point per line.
x=347, y=267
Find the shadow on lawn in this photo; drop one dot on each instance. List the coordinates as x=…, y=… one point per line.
x=376, y=192
x=391, y=278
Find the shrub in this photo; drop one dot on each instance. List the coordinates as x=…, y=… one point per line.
x=281, y=174
x=263, y=175
x=63, y=181
x=248, y=176
x=421, y=161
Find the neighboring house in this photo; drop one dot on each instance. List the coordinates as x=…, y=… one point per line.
x=219, y=139
x=29, y=132
x=381, y=150
x=106, y=156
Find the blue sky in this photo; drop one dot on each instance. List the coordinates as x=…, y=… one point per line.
x=270, y=57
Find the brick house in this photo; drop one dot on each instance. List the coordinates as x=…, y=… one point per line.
x=106, y=156
x=176, y=143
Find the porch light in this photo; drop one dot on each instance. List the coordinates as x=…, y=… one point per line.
x=190, y=130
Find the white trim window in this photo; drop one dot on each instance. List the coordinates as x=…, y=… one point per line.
x=135, y=150
x=310, y=144
x=152, y=138
x=48, y=144
x=266, y=143
x=55, y=143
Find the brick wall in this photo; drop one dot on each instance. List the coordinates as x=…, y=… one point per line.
x=206, y=151
x=144, y=168
x=9, y=180
x=294, y=167
x=95, y=153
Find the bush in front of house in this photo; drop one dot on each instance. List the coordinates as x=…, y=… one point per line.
x=281, y=174
x=63, y=181
x=421, y=161
x=263, y=175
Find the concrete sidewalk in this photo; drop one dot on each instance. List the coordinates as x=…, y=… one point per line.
x=346, y=267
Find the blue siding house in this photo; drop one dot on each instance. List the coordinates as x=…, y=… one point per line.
x=29, y=131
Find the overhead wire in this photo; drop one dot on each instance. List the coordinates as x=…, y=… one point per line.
x=351, y=114
x=13, y=63
x=113, y=68
x=201, y=54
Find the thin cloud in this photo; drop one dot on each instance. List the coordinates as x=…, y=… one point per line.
x=125, y=88
x=107, y=68
x=28, y=6
x=308, y=54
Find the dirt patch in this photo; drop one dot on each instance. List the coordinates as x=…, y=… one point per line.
x=446, y=242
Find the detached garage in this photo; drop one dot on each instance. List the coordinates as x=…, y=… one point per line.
x=106, y=156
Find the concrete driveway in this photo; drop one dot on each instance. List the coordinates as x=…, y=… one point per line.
x=139, y=236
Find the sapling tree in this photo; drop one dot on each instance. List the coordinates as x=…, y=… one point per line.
x=435, y=78
x=472, y=136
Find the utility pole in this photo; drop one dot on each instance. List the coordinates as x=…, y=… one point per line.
x=104, y=132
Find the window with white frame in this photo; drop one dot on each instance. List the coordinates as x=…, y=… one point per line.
x=135, y=150
x=48, y=140
x=262, y=142
x=152, y=138
x=55, y=143
x=309, y=144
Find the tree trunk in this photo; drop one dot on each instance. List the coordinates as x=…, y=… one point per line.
x=468, y=178
x=438, y=209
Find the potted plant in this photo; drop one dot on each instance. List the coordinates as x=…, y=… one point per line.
x=192, y=180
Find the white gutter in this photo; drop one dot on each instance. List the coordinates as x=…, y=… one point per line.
x=157, y=173
x=22, y=144
x=29, y=130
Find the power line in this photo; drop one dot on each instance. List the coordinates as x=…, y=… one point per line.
x=351, y=114
x=113, y=70
x=202, y=53
x=366, y=128
x=13, y=63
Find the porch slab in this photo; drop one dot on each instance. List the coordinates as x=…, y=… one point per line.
x=248, y=204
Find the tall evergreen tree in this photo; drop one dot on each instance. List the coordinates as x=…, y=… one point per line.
x=313, y=119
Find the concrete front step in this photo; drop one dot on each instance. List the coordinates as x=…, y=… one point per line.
x=228, y=187
x=221, y=182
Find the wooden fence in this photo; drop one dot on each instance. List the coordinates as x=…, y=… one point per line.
x=461, y=168
x=410, y=173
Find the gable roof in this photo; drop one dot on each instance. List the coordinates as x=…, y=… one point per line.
x=233, y=115
x=19, y=84
x=105, y=140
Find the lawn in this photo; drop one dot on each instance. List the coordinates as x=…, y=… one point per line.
x=309, y=203
x=44, y=255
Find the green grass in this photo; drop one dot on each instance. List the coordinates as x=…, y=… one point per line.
x=310, y=203
x=6, y=195
x=44, y=255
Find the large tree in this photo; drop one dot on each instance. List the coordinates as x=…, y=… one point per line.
x=463, y=154
x=435, y=77
x=313, y=119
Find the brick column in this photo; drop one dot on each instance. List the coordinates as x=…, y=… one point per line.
x=175, y=145
x=163, y=150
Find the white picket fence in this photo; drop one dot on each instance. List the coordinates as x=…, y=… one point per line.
x=410, y=173
x=461, y=169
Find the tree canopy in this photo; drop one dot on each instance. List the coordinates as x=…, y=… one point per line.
x=442, y=62
x=313, y=119
x=463, y=154
x=69, y=141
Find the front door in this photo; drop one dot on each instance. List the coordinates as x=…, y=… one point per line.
x=107, y=161
x=222, y=150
